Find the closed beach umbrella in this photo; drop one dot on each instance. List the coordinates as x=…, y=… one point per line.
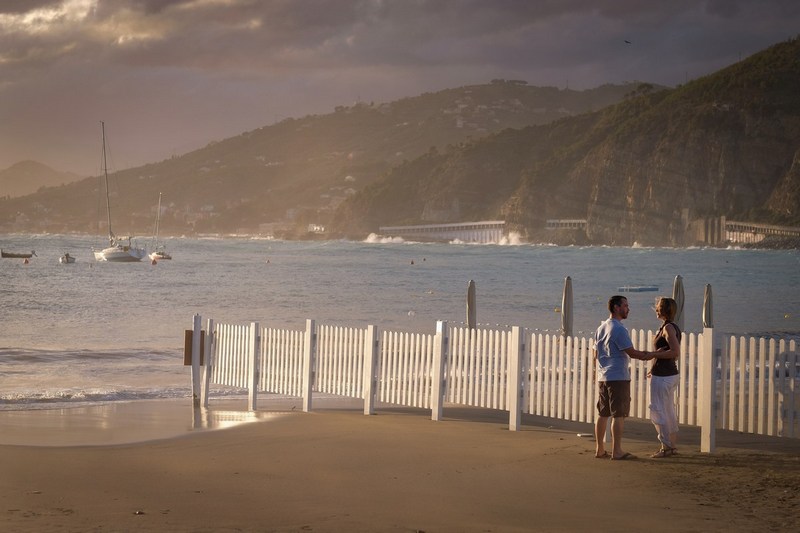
x=677, y=295
x=708, y=308
x=472, y=313
x=566, y=308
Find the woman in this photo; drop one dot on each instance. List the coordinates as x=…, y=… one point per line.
x=664, y=378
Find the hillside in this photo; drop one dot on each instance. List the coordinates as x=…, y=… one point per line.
x=27, y=177
x=279, y=178
x=640, y=171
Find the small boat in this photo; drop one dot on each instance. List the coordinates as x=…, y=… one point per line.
x=637, y=288
x=158, y=255
x=120, y=249
x=16, y=255
x=160, y=250
x=66, y=259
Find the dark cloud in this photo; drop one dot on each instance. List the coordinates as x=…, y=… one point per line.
x=9, y=7
x=172, y=75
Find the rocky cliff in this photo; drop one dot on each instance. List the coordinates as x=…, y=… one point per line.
x=637, y=172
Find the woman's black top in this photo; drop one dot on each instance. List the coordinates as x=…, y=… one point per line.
x=665, y=367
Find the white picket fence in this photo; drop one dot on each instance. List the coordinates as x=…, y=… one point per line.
x=748, y=384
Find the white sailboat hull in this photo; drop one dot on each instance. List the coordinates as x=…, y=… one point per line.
x=120, y=254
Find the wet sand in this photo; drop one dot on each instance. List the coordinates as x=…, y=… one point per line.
x=338, y=470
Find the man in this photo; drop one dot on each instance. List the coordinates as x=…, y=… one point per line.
x=612, y=350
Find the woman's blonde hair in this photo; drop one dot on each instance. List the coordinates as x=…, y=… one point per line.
x=668, y=308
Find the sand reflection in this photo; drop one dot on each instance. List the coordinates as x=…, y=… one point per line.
x=119, y=423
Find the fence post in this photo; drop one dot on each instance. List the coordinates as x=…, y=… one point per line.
x=309, y=361
x=253, y=356
x=706, y=393
x=196, y=332
x=514, y=379
x=370, y=364
x=208, y=354
x=440, y=350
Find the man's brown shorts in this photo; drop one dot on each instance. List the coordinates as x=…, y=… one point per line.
x=615, y=398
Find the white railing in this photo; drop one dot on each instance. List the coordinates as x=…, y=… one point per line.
x=750, y=384
x=233, y=357
x=280, y=363
x=340, y=361
x=560, y=380
x=477, y=371
x=406, y=369
x=758, y=381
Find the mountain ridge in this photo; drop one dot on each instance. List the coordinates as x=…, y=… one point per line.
x=648, y=170
x=639, y=163
x=281, y=177
x=26, y=177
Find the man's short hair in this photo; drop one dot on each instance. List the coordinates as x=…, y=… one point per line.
x=615, y=301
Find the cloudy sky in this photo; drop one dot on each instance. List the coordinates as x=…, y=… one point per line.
x=169, y=76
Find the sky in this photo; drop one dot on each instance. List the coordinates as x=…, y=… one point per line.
x=170, y=76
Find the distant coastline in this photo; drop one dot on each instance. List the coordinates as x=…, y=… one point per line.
x=770, y=242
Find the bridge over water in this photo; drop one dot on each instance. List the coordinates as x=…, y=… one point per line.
x=710, y=231
x=750, y=232
x=486, y=231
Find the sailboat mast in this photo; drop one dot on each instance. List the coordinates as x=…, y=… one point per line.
x=105, y=174
x=158, y=216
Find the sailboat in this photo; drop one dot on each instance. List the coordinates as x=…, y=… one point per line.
x=160, y=251
x=120, y=249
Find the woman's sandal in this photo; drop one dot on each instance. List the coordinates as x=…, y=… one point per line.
x=663, y=452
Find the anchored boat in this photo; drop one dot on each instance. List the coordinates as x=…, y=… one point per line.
x=160, y=251
x=66, y=259
x=120, y=249
x=16, y=255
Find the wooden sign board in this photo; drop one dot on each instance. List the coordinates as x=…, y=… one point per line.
x=188, y=335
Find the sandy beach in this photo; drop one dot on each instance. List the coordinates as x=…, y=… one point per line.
x=337, y=470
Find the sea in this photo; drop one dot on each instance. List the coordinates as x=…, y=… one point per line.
x=91, y=333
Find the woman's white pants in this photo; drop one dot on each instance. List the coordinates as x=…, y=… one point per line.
x=662, y=407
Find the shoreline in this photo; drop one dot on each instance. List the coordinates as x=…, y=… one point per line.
x=139, y=421
x=769, y=243
x=336, y=469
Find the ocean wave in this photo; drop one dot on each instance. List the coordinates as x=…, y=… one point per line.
x=65, y=398
x=374, y=238
x=31, y=356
